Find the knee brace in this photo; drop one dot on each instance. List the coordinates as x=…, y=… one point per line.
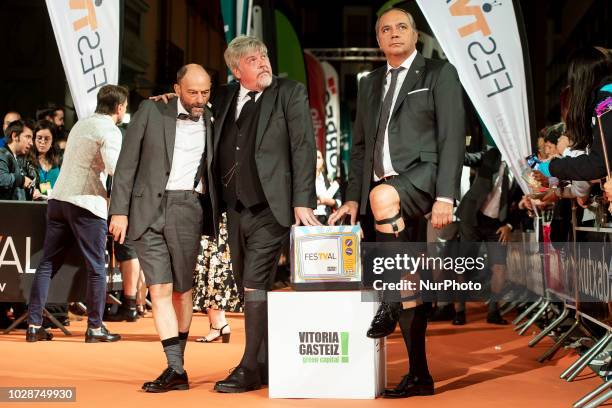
x=392, y=221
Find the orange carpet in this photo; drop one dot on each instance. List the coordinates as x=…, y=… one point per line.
x=477, y=365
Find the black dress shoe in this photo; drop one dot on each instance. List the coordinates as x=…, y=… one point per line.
x=444, y=313
x=105, y=336
x=169, y=380
x=263, y=373
x=240, y=380
x=411, y=386
x=37, y=334
x=385, y=320
x=495, y=318
x=459, y=319
x=123, y=315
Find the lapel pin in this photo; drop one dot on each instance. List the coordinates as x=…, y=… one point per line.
x=416, y=72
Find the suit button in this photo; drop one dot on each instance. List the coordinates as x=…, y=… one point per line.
x=159, y=194
x=167, y=173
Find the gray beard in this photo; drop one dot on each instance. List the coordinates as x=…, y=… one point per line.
x=264, y=82
x=189, y=110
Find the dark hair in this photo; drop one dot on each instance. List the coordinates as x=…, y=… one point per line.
x=588, y=68
x=47, y=110
x=181, y=73
x=17, y=126
x=110, y=97
x=554, y=132
x=401, y=10
x=52, y=156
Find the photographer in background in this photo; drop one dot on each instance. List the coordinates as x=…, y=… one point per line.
x=16, y=181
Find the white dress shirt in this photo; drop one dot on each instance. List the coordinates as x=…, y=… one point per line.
x=189, y=145
x=243, y=98
x=91, y=155
x=387, y=165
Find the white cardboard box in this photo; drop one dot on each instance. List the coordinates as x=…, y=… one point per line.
x=318, y=346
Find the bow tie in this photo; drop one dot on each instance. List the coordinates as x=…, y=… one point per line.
x=184, y=116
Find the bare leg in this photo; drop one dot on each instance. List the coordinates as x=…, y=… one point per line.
x=129, y=273
x=183, y=307
x=164, y=314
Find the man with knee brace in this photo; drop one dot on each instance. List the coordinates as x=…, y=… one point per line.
x=406, y=162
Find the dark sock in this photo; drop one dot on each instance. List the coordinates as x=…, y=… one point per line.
x=255, y=326
x=391, y=297
x=262, y=357
x=183, y=342
x=172, y=348
x=413, y=323
x=129, y=302
x=459, y=306
x=493, y=303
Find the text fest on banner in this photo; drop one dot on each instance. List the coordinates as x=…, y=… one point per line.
x=87, y=35
x=482, y=40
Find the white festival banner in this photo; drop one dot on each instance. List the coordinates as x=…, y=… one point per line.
x=481, y=39
x=87, y=35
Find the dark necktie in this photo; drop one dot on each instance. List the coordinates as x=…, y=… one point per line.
x=247, y=108
x=184, y=116
x=385, y=111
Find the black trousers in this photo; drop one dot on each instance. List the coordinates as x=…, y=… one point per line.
x=256, y=240
x=485, y=231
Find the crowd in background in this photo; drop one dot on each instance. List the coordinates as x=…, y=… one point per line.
x=569, y=162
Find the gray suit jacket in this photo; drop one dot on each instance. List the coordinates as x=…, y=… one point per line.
x=426, y=130
x=145, y=163
x=285, y=152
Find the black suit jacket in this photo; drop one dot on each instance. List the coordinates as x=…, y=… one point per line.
x=488, y=162
x=285, y=153
x=11, y=176
x=426, y=130
x=144, y=166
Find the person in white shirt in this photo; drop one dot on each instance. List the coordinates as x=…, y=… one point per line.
x=77, y=211
x=328, y=194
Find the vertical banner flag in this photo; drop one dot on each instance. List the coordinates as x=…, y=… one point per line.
x=263, y=26
x=332, y=121
x=289, y=55
x=243, y=16
x=316, y=98
x=228, y=11
x=237, y=16
x=87, y=35
x=482, y=40
x=346, y=140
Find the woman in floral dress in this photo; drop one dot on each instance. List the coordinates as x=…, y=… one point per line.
x=215, y=290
